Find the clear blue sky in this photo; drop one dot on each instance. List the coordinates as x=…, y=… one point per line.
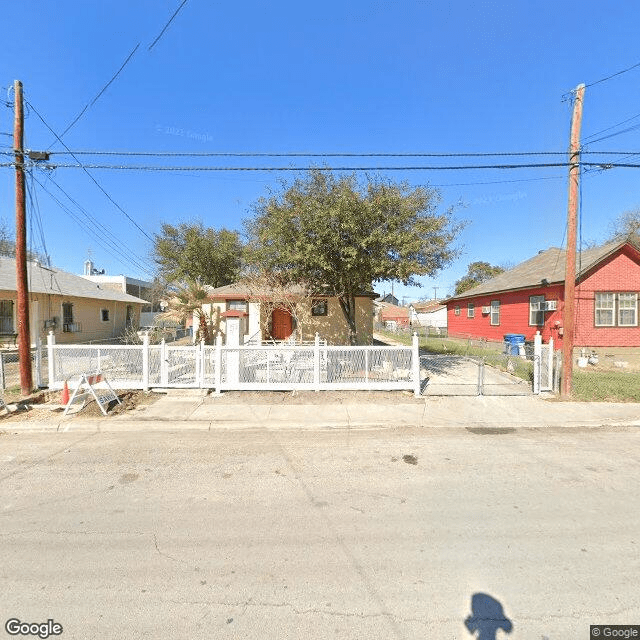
x=374, y=76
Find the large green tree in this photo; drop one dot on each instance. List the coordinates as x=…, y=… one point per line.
x=343, y=235
x=477, y=273
x=191, y=251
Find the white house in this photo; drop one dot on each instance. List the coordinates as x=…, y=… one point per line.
x=429, y=314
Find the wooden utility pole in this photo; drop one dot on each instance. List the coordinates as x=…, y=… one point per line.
x=22, y=282
x=568, y=313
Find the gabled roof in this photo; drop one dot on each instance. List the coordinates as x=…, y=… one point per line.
x=548, y=265
x=53, y=281
x=428, y=307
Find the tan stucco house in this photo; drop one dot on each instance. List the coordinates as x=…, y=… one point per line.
x=263, y=319
x=74, y=308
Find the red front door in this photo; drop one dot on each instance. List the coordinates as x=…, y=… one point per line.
x=281, y=324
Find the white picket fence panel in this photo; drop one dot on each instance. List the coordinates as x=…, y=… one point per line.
x=283, y=367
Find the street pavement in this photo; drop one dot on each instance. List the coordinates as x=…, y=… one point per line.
x=392, y=532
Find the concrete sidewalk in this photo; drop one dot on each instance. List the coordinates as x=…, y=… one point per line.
x=176, y=411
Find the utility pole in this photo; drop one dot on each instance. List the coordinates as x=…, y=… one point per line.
x=568, y=313
x=22, y=282
x=435, y=292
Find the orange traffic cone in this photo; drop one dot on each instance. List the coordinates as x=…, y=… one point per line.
x=65, y=394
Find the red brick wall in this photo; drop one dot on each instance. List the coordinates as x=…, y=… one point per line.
x=514, y=315
x=619, y=273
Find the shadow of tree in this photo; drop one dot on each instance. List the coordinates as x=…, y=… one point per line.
x=487, y=616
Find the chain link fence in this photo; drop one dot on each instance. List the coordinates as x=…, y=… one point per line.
x=606, y=375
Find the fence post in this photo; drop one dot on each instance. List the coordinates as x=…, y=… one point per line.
x=316, y=362
x=537, y=362
x=145, y=361
x=164, y=364
x=218, y=363
x=415, y=362
x=481, y=377
x=51, y=341
x=200, y=364
x=2, y=380
x=38, y=362
x=550, y=362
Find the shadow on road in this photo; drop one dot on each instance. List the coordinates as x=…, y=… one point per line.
x=487, y=616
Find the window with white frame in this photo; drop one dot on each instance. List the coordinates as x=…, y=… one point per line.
x=627, y=309
x=495, y=312
x=616, y=309
x=456, y=311
x=471, y=310
x=536, y=311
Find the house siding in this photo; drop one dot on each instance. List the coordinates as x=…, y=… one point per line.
x=619, y=273
x=514, y=315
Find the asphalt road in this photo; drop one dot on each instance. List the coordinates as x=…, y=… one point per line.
x=385, y=533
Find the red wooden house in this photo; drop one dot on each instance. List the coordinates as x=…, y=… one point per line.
x=529, y=298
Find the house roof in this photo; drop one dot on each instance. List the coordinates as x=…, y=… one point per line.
x=241, y=290
x=53, y=281
x=390, y=311
x=548, y=265
x=428, y=307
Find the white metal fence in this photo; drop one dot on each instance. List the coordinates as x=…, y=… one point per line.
x=282, y=367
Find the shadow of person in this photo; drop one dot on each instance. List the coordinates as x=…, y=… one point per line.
x=487, y=617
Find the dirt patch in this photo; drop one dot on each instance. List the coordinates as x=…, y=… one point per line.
x=313, y=397
x=45, y=406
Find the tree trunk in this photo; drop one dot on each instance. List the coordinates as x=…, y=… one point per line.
x=204, y=329
x=348, y=306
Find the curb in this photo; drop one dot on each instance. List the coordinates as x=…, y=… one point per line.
x=491, y=428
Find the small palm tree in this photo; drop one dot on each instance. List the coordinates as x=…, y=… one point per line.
x=187, y=302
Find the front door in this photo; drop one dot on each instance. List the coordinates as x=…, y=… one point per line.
x=281, y=324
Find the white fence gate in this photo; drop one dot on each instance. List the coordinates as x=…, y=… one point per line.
x=283, y=367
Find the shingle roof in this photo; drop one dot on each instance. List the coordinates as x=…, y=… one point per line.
x=548, y=265
x=54, y=281
x=429, y=306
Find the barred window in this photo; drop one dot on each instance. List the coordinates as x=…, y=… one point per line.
x=456, y=311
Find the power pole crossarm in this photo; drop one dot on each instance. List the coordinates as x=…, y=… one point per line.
x=22, y=282
x=568, y=313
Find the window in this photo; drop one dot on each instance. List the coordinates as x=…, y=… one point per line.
x=627, y=309
x=319, y=308
x=495, y=312
x=456, y=310
x=67, y=316
x=536, y=311
x=616, y=309
x=6, y=316
x=104, y=315
x=471, y=310
x=237, y=305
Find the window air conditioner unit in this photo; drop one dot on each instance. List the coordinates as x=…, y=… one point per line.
x=551, y=305
x=486, y=310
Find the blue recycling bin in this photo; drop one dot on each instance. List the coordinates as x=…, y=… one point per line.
x=513, y=342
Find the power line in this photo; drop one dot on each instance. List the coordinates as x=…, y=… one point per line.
x=161, y=168
x=613, y=75
x=103, y=240
x=80, y=165
x=104, y=88
x=615, y=133
x=301, y=154
x=597, y=133
x=166, y=26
